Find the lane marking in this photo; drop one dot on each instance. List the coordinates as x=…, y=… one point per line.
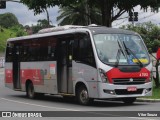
x=38, y=105
x=142, y=118
x=15, y=101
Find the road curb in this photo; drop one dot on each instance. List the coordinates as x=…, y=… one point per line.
x=147, y=100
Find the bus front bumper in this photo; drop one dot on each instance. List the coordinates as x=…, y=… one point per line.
x=121, y=91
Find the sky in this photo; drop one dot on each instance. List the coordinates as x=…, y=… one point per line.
x=148, y=16
x=27, y=17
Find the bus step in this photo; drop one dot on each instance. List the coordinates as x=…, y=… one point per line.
x=17, y=89
x=65, y=94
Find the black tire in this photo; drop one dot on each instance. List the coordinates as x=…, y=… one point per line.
x=129, y=100
x=83, y=97
x=39, y=95
x=30, y=91
x=69, y=98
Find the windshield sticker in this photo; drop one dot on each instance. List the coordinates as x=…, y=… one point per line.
x=115, y=60
x=130, y=62
x=142, y=60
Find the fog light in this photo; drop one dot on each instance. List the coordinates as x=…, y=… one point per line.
x=147, y=90
x=112, y=92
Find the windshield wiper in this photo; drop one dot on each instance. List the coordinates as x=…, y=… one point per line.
x=128, y=51
x=118, y=54
x=117, y=58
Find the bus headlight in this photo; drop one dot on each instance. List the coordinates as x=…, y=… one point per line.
x=103, y=76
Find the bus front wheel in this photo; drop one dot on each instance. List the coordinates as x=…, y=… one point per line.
x=83, y=97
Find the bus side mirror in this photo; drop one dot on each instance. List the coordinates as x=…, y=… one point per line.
x=158, y=54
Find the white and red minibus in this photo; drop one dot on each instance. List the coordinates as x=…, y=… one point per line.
x=85, y=62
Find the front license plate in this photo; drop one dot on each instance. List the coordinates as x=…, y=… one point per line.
x=131, y=89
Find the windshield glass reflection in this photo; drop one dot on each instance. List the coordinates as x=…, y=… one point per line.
x=110, y=46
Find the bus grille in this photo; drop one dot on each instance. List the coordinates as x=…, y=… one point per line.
x=126, y=81
x=125, y=92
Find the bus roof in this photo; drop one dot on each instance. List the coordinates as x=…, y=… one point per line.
x=70, y=29
x=98, y=30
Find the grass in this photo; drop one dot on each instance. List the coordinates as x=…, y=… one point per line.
x=155, y=94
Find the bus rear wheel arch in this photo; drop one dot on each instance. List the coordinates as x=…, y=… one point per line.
x=30, y=91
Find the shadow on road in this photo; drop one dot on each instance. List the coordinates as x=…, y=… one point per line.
x=61, y=100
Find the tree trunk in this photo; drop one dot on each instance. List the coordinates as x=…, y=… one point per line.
x=106, y=9
x=87, y=16
x=156, y=79
x=48, y=17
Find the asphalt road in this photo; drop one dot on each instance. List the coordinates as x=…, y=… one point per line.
x=16, y=101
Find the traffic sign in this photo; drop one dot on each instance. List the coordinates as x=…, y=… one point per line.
x=133, y=16
x=2, y=4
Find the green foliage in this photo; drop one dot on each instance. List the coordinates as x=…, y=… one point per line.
x=15, y=31
x=149, y=32
x=39, y=6
x=9, y=27
x=106, y=7
x=19, y=30
x=155, y=92
x=4, y=35
x=79, y=16
x=41, y=24
x=8, y=20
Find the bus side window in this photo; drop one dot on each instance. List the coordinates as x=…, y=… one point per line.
x=84, y=50
x=51, y=52
x=52, y=45
x=9, y=52
x=25, y=54
x=75, y=50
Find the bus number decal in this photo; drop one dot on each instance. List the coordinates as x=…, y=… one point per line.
x=143, y=75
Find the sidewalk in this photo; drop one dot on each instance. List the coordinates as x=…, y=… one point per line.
x=147, y=100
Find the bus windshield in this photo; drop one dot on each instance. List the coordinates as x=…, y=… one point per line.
x=123, y=49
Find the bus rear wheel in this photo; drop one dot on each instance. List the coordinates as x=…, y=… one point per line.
x=129, y=100
x=83, y=97
x=30, y=91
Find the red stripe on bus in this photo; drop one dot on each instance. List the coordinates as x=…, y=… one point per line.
x=35, y=75
x=116, y=73
x=8, y=76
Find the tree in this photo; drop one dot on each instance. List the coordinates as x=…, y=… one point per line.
x=8, y=20
x=75, y=17
x=41, y=24
x=110, y=10
x=151, y=36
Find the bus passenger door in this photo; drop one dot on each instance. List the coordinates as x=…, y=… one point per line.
x=16, y=67
x=65, y=83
